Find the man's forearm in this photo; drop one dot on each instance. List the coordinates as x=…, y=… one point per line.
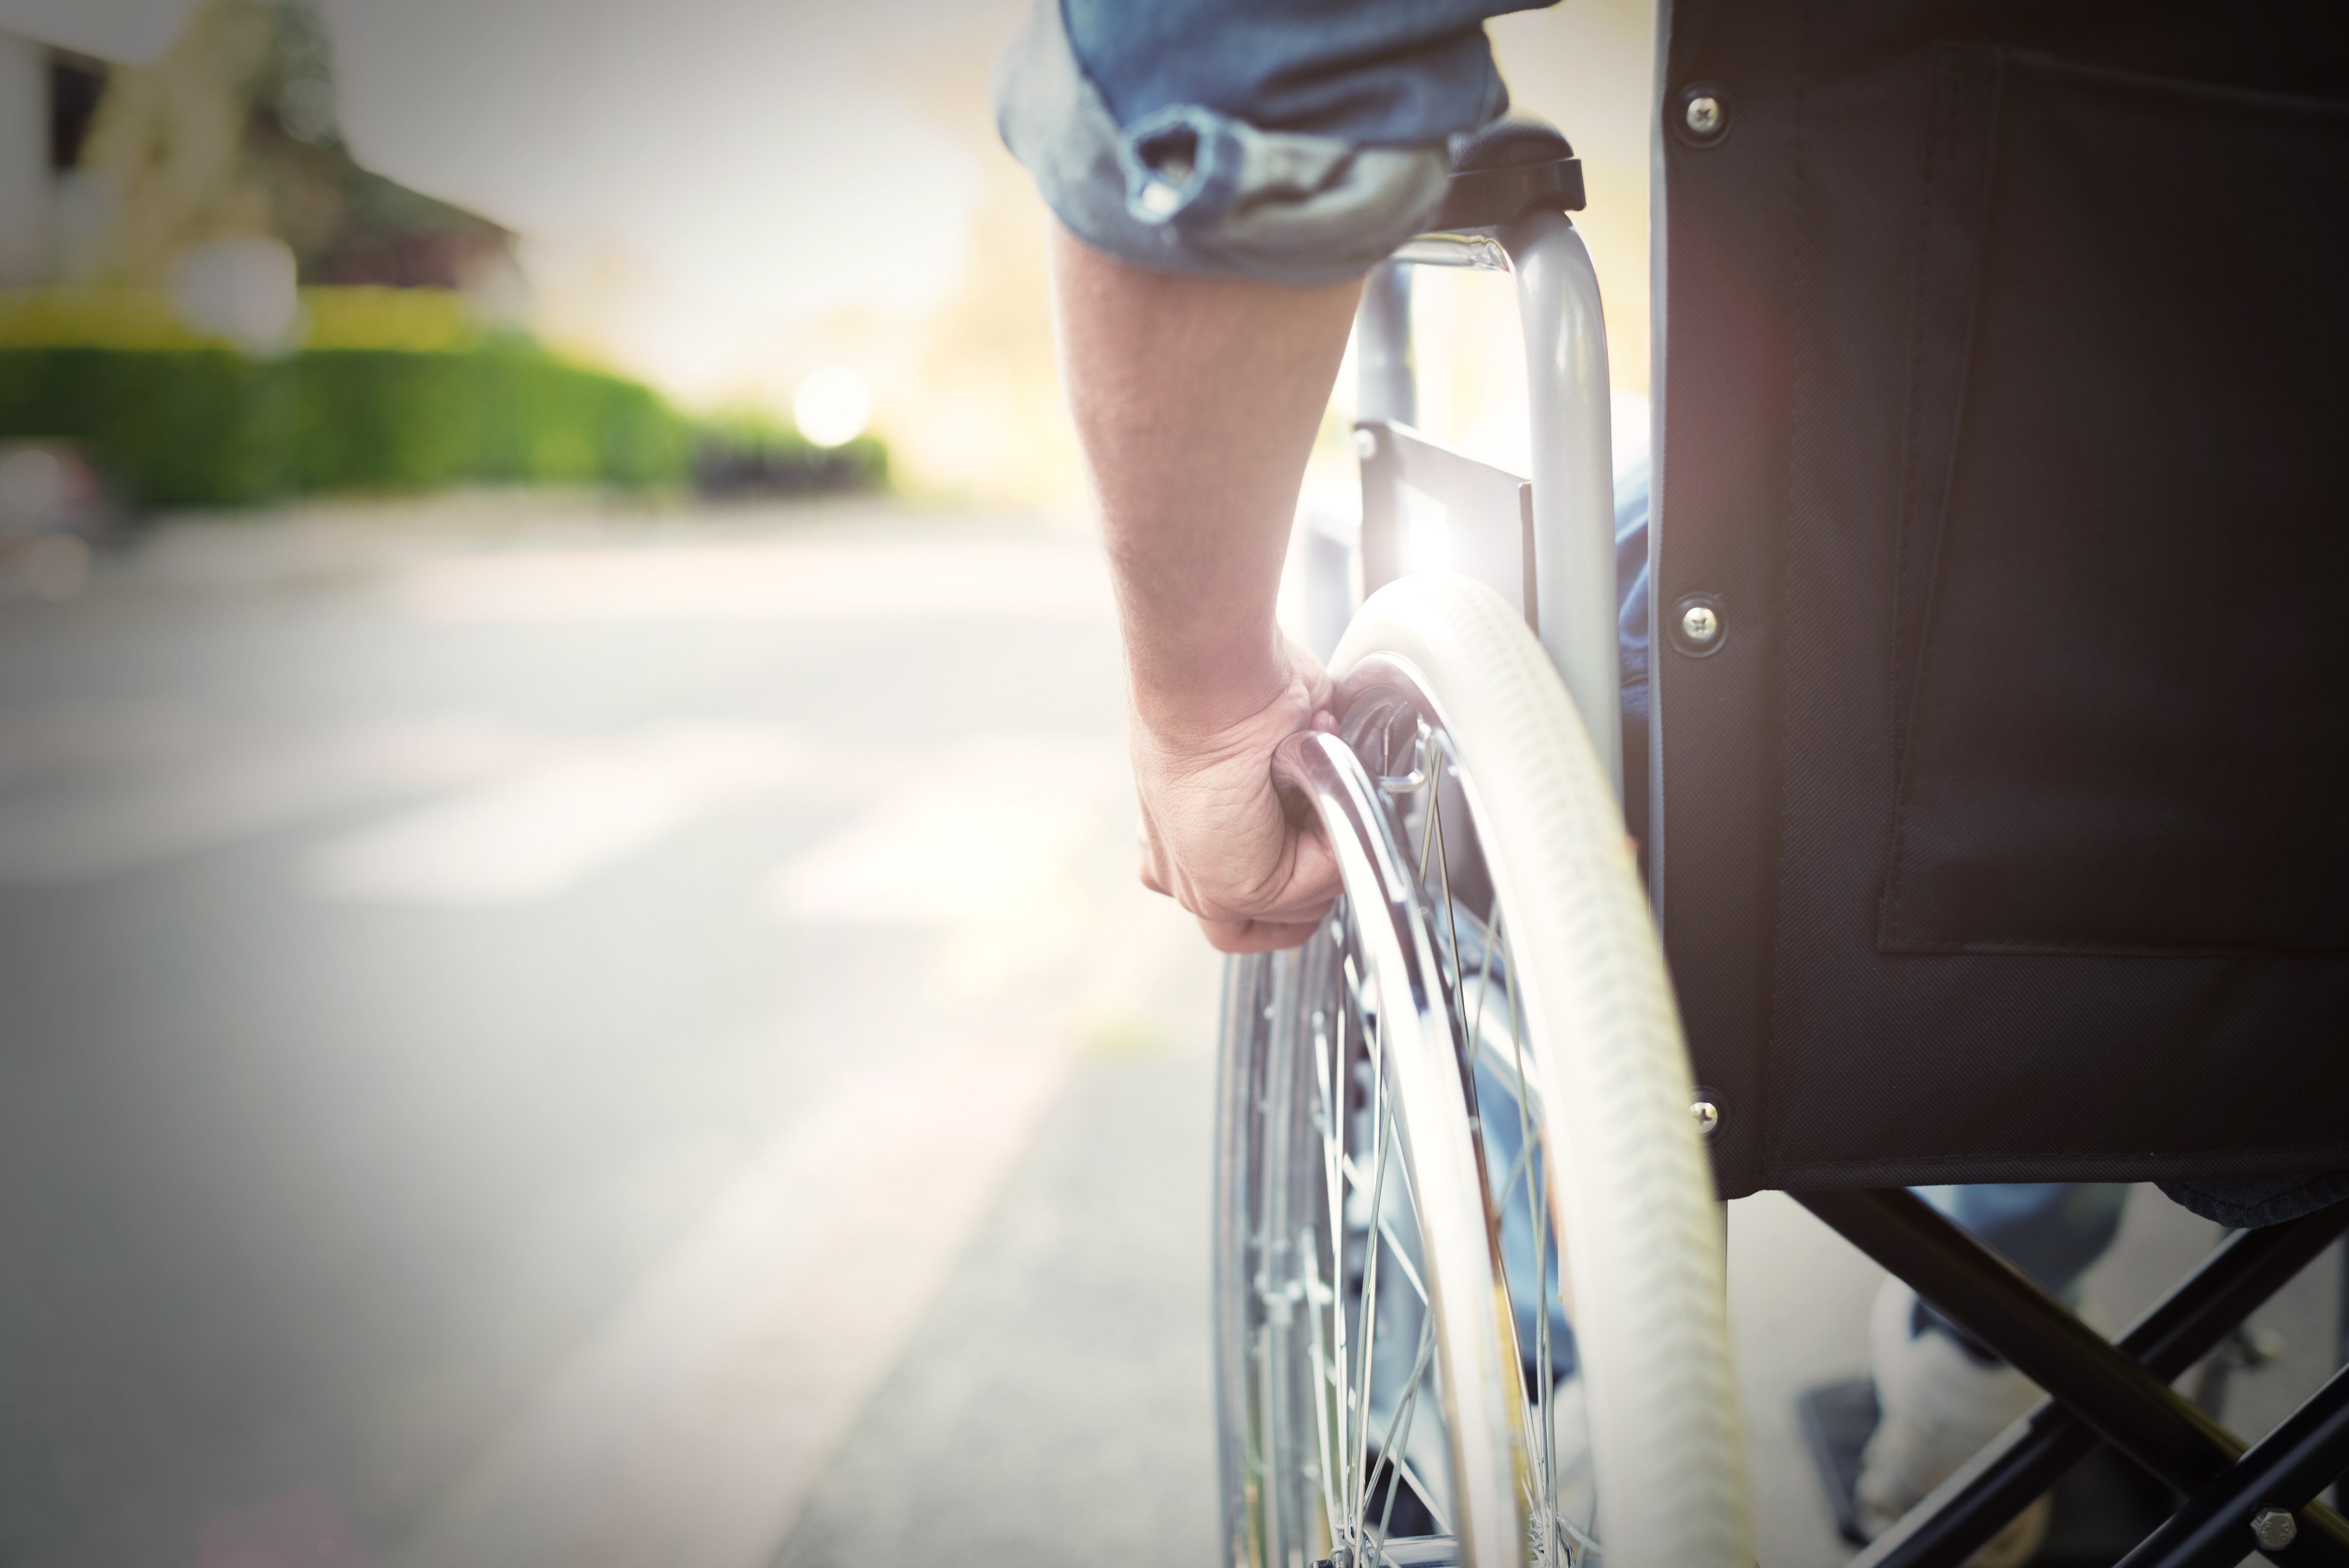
x=1196, y=400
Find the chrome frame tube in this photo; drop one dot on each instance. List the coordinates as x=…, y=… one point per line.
x=1573, y=439
x=1386, y=378
x=1573, y=472
x=1475, y=248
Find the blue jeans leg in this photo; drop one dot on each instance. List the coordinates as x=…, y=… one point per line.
x=2052, y=1231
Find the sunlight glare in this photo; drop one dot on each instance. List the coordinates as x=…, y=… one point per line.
x=832, y=406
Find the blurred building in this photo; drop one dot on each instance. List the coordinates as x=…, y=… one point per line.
x=49, y=96
x=112, y=174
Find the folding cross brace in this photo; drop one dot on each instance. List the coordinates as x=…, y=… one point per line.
x=2118, y=1394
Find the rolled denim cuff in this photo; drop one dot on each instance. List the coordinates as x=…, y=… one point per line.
x=1191, y=189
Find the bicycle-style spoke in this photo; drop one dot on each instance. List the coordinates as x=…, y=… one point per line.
x=1398, y=1438
x=1544, y=1360
x=1340, y=1473
x=1401, y=1254
x=1426, y=1494
x=1448, y=909
x=1538, y=1425
x=1427, y=833
x=1328, y=1381
x=1383, y=1123
x=1379, y=1421
x=1484, y=973
x=1516, y=1173
x=1576, y=1540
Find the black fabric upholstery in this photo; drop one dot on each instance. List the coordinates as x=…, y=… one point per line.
x=2005, y=414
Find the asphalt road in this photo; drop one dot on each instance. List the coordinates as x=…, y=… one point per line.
x=531, y=1034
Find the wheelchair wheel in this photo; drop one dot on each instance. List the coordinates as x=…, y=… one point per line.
x=1469, y=1271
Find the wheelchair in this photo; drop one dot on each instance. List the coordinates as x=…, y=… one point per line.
x=1470, y=1302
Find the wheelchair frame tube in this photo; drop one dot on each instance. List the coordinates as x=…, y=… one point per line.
x=2131, y=1409
x=1388, y=382
x=1574, y=470
x=2284, y=1470
x=2238, y=1277
x=1573, y=439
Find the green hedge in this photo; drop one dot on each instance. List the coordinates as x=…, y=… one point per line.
x=209, y=427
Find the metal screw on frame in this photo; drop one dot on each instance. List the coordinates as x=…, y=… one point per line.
x=1700, y=624
x=1708, y=1116
x=2274, y=1528
x=1704, y=115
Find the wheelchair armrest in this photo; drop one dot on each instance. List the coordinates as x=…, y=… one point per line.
x=1516, y=165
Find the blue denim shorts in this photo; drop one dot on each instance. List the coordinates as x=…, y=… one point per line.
x=1292, y=140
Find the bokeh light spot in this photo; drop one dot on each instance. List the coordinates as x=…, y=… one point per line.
x=832, y=406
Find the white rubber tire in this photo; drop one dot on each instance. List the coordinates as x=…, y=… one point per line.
x=1645, y=1265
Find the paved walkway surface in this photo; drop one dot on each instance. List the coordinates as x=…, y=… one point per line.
x=539, y=1035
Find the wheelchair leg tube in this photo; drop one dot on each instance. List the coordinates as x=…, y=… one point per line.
x=2279, y=1475
x=1573, y=472
x=2341, y=1339
x=1388, y=385
x=2136, y=1413
x=1389, y=391
x=2234, y=1280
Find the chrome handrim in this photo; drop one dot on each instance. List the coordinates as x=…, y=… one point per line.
x=1413, y=1389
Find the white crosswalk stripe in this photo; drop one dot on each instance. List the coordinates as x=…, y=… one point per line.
x=983, y=833
x=820, y=579
x=545, y=828
x=211, y=788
